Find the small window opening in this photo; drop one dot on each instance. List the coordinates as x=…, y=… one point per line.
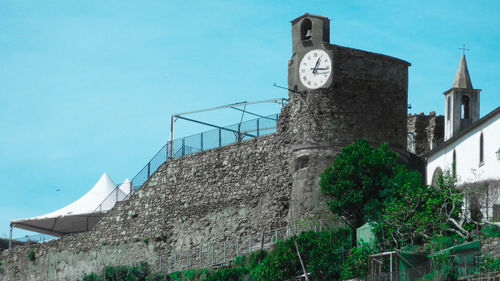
x=306, y=29
x=437, y=177
x=448, y=109
x=481, y=150
x=465, y=112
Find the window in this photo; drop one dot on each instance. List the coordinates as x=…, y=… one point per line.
x=436, y=177
x=448, y=109
x=306, y=29
x=481, y=150
x=465, y=112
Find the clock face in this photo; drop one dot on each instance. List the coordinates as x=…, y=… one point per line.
x=315, y=69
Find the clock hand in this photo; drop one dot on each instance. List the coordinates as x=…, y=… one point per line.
x=316, y=66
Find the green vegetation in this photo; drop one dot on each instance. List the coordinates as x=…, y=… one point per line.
x=357, y=180
x=145, y=240
x=407, y=211
x=31, y=255
x=321, y=252
x=408, y=214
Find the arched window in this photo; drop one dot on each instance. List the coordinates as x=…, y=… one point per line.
x=436, y=177
x=306, y=29
x=481, y=149
x=454, y=164
x=448, y=109
x=465, y=112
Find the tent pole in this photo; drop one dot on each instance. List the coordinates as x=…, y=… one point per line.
x=10, y=236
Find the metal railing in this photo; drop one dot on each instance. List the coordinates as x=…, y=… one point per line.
x=207, y=140
x=225, y=252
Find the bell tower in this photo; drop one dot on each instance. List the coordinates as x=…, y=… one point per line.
x=337, y=95
x=461, y=102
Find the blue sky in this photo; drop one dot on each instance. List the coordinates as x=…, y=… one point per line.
x=88, y=87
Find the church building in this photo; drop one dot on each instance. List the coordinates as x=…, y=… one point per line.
x=471, y=147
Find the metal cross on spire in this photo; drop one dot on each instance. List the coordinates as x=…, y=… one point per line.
x=463, y=49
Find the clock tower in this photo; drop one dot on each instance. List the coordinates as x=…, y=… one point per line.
x=337, y=95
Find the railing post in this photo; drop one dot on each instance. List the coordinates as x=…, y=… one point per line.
x=250, y=243
x=258, y=126
x=237, y=246
x=201, y=256
x=224, y=251
x=201, y=141
x=149, y=169
x=188, y=256
x=183, y=147
x=220, y=137
x=166, y=151
x=213, y=252
x=276, y=236
x=239, y=133
x=262, y=241
x=10, y=236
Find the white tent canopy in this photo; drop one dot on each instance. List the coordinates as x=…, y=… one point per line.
x=81, y=215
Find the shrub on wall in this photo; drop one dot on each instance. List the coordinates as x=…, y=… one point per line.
x=31, y=255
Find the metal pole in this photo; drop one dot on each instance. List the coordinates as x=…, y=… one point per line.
x=276, y=236
x=183, y=147
x=220, y=137
x=149, y=169
x=250, y=243
x=10, y=236
x=201, y=257
x=213, y=251
x=262, y=241
x=188, y=256
x=237, y=246
x=172, y=131
x=390, y=266
x=161, y=264
x=224, y=251
x=201, y=142
x=258, y=125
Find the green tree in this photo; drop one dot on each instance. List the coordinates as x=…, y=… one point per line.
x=357, y=179
x=416, y=213
x=321, y=253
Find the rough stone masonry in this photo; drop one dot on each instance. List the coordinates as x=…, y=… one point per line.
x=243, y=188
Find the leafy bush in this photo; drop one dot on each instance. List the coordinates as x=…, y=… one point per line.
x=491, y=231
x=320, y=252
x=444, y=268
x=92, y=277
x=356, y=264
x=157, y=276
x=228, y=274
x=491, y=265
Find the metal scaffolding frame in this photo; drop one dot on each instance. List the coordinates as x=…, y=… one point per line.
x=236, y=106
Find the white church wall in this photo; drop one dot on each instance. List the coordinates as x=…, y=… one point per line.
x=468, y=167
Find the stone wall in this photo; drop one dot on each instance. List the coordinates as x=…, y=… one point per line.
x=426, y=132
x=243, y=188
x=197, y=199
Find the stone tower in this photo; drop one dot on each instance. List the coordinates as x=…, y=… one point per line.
x=461, y=102
x=337, y=95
